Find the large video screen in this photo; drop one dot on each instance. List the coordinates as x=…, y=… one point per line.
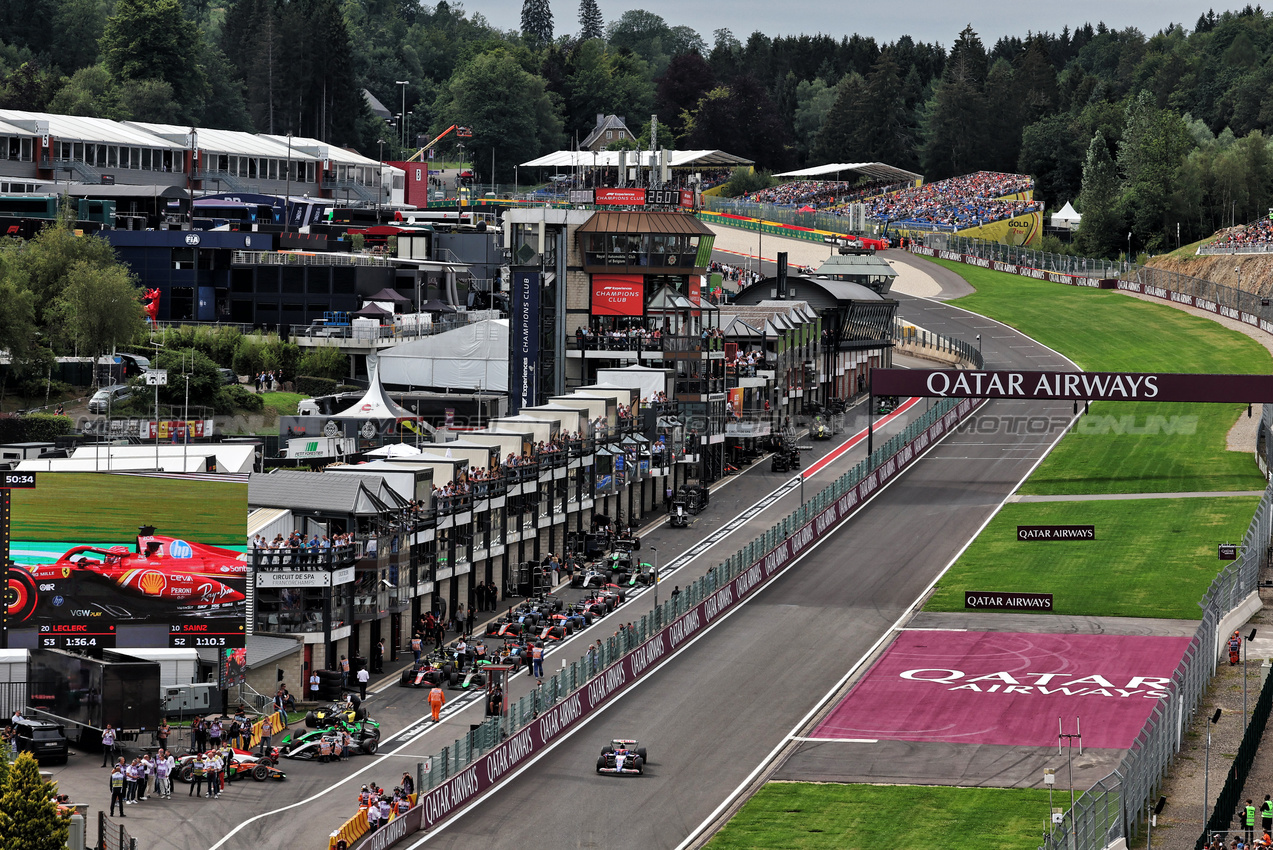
x=114, y=559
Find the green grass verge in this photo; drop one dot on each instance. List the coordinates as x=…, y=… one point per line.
x=805, y=816
x=100, y=507
x=284, y=404
x=1108, y=331
x=1162, y=448
x=1151, y=557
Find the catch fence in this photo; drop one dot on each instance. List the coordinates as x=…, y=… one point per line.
x=603, y=654
x=1115, y=807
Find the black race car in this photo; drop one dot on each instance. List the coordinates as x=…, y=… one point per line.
x=351, y=712
x=622, y=757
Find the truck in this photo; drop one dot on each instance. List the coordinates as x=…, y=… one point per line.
x=83, y=694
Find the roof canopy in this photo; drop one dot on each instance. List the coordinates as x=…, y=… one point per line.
x=645, y=222
x=875, y=170
x=610, y=159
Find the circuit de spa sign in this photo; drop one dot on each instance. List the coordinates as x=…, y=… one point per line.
x=466, y=786
x=1072, y=386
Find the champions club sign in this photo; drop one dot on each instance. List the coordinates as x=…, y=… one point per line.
x=452, y=796
x=1073, y=386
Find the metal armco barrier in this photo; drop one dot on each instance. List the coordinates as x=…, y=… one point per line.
x=462, y=772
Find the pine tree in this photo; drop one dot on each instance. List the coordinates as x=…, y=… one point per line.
x=590, y=23
x=28, y=815
x=537, y=22
x=1101, y=228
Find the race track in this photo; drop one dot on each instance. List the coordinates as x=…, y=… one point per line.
x=716, y=710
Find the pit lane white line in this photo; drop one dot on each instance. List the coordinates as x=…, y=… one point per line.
x=649, y=676
x=813, y=712
x=425, y=724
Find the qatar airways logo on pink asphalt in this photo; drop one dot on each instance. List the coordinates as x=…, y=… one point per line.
x=1044, y=684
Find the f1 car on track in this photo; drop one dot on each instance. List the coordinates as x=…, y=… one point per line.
x=623, y=757
x=162, y=576
x=820, y=430
x=312, y=743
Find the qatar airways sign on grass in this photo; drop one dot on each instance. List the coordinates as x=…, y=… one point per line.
x=1008, y=687
x=1076, y=386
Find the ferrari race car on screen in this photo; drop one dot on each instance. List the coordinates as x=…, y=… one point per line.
x=161, y=577
x=623, y=757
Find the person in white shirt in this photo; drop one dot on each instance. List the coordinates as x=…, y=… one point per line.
x=147, y=770
x=373, y=815
x=385, y=809
x=163, y=786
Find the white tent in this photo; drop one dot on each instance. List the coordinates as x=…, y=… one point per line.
x=1066, y=217
x=472, y=356
x=375, y=403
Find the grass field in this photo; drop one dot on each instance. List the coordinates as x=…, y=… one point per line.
x=99, y=506
x=1150, y=558
x=284, y=404
x=1108, y=331
x=805, y=816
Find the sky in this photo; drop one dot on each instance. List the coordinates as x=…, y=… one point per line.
x=924, y=20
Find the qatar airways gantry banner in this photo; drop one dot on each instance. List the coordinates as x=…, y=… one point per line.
x=1076, y=386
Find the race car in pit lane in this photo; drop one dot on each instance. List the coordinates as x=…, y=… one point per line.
x=310, y=743
x=622, y=757
x=820, y=430
x=241, y=763
x=424, y=674
x=591, y=577
x=162, y=576
x=348, y=712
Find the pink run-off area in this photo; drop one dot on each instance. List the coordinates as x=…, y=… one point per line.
x=1008, y=688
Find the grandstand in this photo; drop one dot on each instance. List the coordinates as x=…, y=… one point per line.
x=1253, y=238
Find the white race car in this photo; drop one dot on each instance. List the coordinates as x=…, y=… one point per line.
x=622, y=756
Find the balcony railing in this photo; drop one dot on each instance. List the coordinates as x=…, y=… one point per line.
x=302, y=557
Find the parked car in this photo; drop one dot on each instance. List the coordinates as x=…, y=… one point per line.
x=228, y=376
x=104, y=398
x=42, y=739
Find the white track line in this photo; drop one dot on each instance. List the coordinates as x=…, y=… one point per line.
x=417, y=729
x=804, y=721
x=650, y=675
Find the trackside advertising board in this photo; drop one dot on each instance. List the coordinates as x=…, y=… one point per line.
x=1075, y=386
x=447, y=799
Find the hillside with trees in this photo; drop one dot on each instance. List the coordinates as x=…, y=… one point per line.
x=1147, y=134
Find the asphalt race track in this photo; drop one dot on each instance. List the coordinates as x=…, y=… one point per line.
x=715, y=711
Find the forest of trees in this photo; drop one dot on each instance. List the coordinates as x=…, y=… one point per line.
x=1148, y=134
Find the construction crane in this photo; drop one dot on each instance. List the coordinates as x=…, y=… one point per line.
x=460, y=133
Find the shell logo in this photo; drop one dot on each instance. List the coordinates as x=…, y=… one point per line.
x=152, y=582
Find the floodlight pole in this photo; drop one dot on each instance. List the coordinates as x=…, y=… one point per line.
x=1206, y=771
x=1066, y=740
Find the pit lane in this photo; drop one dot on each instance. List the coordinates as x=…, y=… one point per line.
x=715, y=711
x=316, y=798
